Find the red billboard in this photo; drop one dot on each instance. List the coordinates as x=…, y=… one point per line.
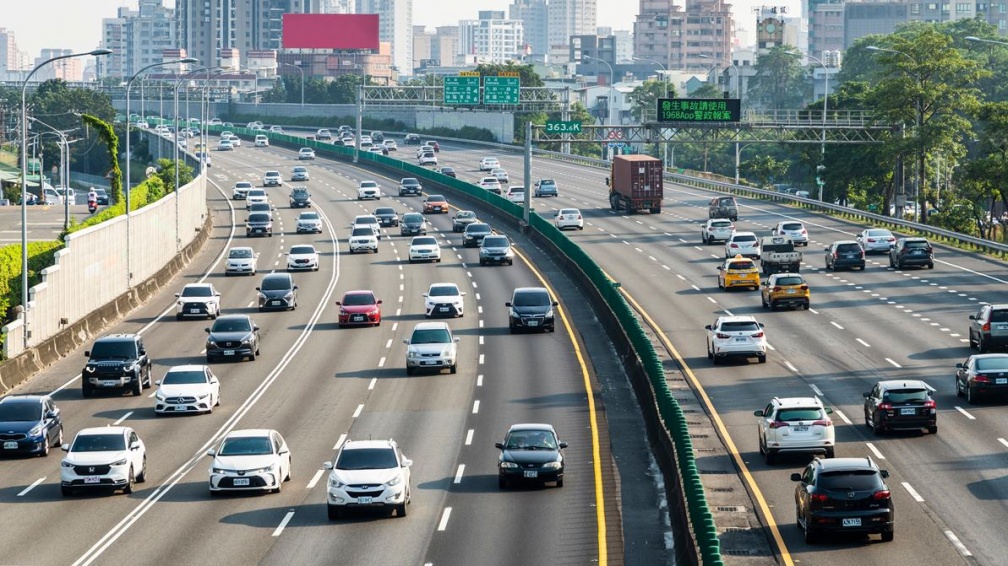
x=330, y=31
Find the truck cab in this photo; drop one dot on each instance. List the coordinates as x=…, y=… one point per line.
x=778, y=255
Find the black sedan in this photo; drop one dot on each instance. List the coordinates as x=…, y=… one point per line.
x=982, y=375
x=531, y=308
x=103, y=198
x=387, y=216
x=530, y=453
x=277, y=292
x=232, y=336
x=29, y=424
x=901, y=404
x=413, y=224
x=474, y=233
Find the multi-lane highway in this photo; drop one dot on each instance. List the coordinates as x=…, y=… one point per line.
x=949, y=488
x=318, y=384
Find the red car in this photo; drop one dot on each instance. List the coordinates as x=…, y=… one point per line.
x=359, y=308
x=435, y=203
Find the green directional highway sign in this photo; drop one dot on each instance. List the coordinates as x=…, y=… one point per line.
x=462, y=90
x=501, y=90
x=571, y=127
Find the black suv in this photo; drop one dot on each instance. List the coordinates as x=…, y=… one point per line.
x=412, y=139
x=845, y=254
x=300, y=197
x=531, y=308
x=843, y=495
x=410, y=186
x=911, y=251
x=118, y=361
x=901, y=404
x=474, y=233
x=723, y=207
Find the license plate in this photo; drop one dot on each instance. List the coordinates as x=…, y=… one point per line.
x=241, y=481
x=109, y=383
x=917, y=252
x=533, y=323
x=429, y=362
x=445, y=309
x=364, y=500
x=275, y=303
x=740, y=339
x=180, y=407
x=801, y=429
x=358, y=318
x=10, y=445
x=791, y=291
x=193, y=311
x=437, y=208
x=908, y=411
x=855, y=522
x=531, y=473
x=1001, y=381
x=229, y=352
x=92, y=479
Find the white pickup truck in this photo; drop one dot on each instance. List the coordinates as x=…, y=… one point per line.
x=778, y=255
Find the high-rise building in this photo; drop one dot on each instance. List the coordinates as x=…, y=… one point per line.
x=70, y=70
x=395, y=26
x=9, y=66
x=445, y=47
x=491, y=38
x=677, y=38
x=534, y=16
x=423, y=46
x=137, y=38
x=567, y=18
x=338, y=6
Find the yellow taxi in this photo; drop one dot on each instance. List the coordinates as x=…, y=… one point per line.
x=738, y=271
x=786, y=290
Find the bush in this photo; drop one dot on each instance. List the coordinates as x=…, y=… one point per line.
x=141, y=195
x=40, y=256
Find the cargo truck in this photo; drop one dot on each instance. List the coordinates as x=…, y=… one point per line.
x=635, y=183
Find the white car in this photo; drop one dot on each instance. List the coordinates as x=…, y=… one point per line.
x=309, y=222
x=254, y=459
x=306, y=153
x=234, y=139
x=302, y=257
x=390, y=145
x=272, y=179
x=792, y=229
x=489, y=164
x=736, y=336
x=376, y=149
x=500, y=174
x=368, y=473
x=428, y=158
x=876, y=240
x=187, y=389
x=368, y=190
x=491, y=184
x=255, y=196
x=369, y=220
x=795, y=425
x=107, y=457
x=444, y=299
x=261, y=141
x=431, y=345
x=276, y=129
x=197, y=299
x=424, y=248
x=241, y=260
x=568, y=218
x=717, y=230
x=366, y=139
x=225, y=145
x=745, y=244
x=363, y=239
x=347, y=142
x=516, y=195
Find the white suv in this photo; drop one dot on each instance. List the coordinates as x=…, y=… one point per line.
x=745, y=244
x=109, y=457
x=736, y=336
x=795, y=424
x=368, y=190
x=431, y=345
x=240, y=190
x=794, y=230
x=368, y=473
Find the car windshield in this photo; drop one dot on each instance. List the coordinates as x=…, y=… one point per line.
x=243, y=253
x=98, y=443
x=276, y=283
x=739, y=326
x=850, y=480
x=259, y=217
x=367, y=459
x=443, y=291
x=741, y=265
x=531, y=299
x=791, y=226
x=495, y=242
x=905, y=395
x=257, y=193
x=231, y=325
x=184, y=377
x=447, y=169
x=922, y=244
x=435, y=198
x=992, y=363
x=243, y=185
x=113, y=349
x=384, y=211
x=430, y=336
x=791, y=415
x=300, y=250
x=425, y=241
x=368, y=184
x=300, y=170
x=744, y=238
x=790, y=280
x=246, y=446
x=197, y=291
x=362, y=231
x=358, y=299
x=20, y=412
x=409, y=181
x=531, y=440
x=478, y=228
x=308, y=216
x=413, y=218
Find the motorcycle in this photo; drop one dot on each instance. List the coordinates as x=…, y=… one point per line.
x=92, y=206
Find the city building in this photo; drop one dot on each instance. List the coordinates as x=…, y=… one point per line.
x=395, y=26
x=338, y=6
x=533, y=15
x=137, y=38
x=567, y=18
x=491, y=38
x=9, y=64
x=684, y=38
x=866, y=18
x=70, y=70
x=423, y=47
x=445, y=46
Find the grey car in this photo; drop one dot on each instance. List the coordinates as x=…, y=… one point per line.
x=413, y=224
x=259, y=224
x=496, y=249
x=277, y=292
x=232, y=336
x=474, y=234
x=463, y=219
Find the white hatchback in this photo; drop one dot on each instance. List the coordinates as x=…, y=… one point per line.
x=187, y=389
x=368, y=190
x=798, y=425
x=792, y=229
x=568, y=218
x=303, y=257
x=516, y=195
x=737, y=337
x=717, y=230
x=261, y=141
x=745, y=244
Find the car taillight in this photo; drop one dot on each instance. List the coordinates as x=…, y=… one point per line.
x=981, y=378
x=734, y=245
x=804, y=287
x=722, y=336
x=758, y=334
x=826, y=422
x=776, y=289
x=986, y=327
x=930, y=406
x=820, y=497
x=881, y=495
x=836, y=255
x=710, y=228
x=885, y=406
x=871, y=240
x=891, y=239
x=778, y=424
x=804, y=231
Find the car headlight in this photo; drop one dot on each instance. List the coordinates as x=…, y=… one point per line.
x=504, y=464
x=37, y=430
x=121, y=462
x=552, y=465
x=67, y=464
x=411, y=352
x=89, y=369
x=447, y=351
x=289, y=295
x=158, y=396
x=211, y=344
x=395, y=481
x=216, y=470
x=549, y=313
x=203, y=396
x=262, y=296
x=334, y=482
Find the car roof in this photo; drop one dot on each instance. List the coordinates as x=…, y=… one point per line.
x=437, y=325
x=349, y=444
x=18, y=399
x=795, y=402
x=531, y=290
x=102, y=430
x=277, y=276
x=117, y=338
x=737, y=318
x=435, y=197
x=241, y=248
x=191, y=285
x=839, y=464
x=532, y=426
x=186, y=367
x=234, y=317
x=904, y=384
x=988, y=356
x=359, y=292
x=743, y=233
x=444, y=284
x=367, y=217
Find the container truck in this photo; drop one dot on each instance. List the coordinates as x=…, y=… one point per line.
x=635, y=183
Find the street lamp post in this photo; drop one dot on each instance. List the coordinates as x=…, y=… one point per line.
x=298, y=67
x=24, y=177
x=64, y=163
x=178, y=132
x=825, y=106
x=612, y=79
x=738, y=90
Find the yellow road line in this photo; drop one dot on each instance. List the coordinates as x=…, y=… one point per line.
x=603, y=558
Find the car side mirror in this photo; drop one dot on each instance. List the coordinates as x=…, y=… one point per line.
x=866, y=395
x=257, y=289
x=960, y=366
x=378, y=302
x=761, y=325
x=157, y=382
x=255, y=327
x=971, y=317
x=216, y=294
x=758, y=413
x=65, y=447
x=328, y=465
x=456, y=339
x=134, y=446
x=405, y=340
x=177, y=296
x=829, y=410
x=499, y=445
x=52, y=414
x=562, y=445
x=295, y=287
x=283, y=451
x=795, y=477
x=207, y=330
x=407, y=462
x=339, y=304
x=556, y=304
x=211, y=452
x=508, y=304
x=708, y=327
x=825, y=249
x=884, y=473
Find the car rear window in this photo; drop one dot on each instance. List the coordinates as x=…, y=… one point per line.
x=740, y=265
x=987, y=364
x=850, y=480
x=721, y=224
x=905, y=395
x=363, y=231
x=358, y=299
x=744, y=238
x=744, y=326
x=793, y=280
x=917, y=244
x=879, y=233
x=791, y=415
x=791, y=226
x=848, y=248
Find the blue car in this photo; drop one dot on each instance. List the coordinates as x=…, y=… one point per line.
x=29, y=424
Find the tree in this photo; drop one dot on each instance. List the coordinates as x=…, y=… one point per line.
x=708, y=90
x=780, y=80
x=764, y=169
x=645, y=99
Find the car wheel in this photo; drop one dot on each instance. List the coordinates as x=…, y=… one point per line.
x=86, y=391
x=401, y=510
x=830, y=452
x=892, y=263
x=969, y=396
x=933, y=429
x=559, y=482
x=762, y=358
x=773, y=306
x=809, y=534
x=806, y=306
x=454, y=368
x=770, y=457
x=178, y=316
x=716, y=360
x=66, y=491
x=930, y=266
x=710, y=353
x=252, y=356
x=143, y=471
x=887, y=536
x=981, y=347
x=138, y=385
x=129, y=483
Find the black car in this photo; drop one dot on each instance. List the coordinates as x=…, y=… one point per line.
x=845, y=254
x=474, y=233
x=377, y=137
x=988, y=327
x=531, y=308
x=259, y=224
x=843, y=495
x=911, y=252
x=982, y=375
x=530, y=453
x=448, y=172
x=410, y=186
x=118, y=361
x=300, y=197
x=29, y=424
x=387, y=216
x=232, y=336
x=412, y=139
x=901, y=404
x=102, y=197
x=277, y=292
x=413, y=224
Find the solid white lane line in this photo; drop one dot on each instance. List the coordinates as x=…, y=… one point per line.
x=475, y=406
x=958, y=544
x=967, y=415
x=469, y=437
x=122, y=418
x=374, y=380
x=443, y=524
x=842, y=416
x=458, y=474
x=315, y=478
x=31, y=487
x=875, y=451
x=339, y=441
x=381, y=362
x=283, y=523
x=894, y=364
x=836, y=325
x=913, y=492
x=790, y=366
x=358, y=411
x=816, y=389
x=863, y=343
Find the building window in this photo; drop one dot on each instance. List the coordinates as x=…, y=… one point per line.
x=962, y=8
x=915, y=9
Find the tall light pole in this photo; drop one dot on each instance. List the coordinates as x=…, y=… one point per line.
x=665, y=82
x=64, y=164
x=298, y=67
x=24, y=176
x=919, y=178
x=612, y=79
x=825, y=105
x=178, y=132
x=738, y=91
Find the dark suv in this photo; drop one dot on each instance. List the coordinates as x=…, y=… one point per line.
x=259, y=224
x=843, y=495
x=911, y=251
x=531, y=308
x=118, y=361
x=988, y=328
x=410, y=186
x=845, y=254
x=300, y=197
x=723, y=207
x=901, y=404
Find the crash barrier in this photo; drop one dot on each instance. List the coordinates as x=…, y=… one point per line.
x=692, y=519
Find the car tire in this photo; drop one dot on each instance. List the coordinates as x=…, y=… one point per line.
x=710, y=353
x=400, y=510
x=933, y=429
x=830, y=452
x=716, y=360
x=810, y=537
x=930, y=266
x=769, y=457
x=138, y=385
x=981, y=347
x=178, y=316
x=559, y=482
x=86, y=391
x=969, y=395
x=128, y=489
x=762, y=358
x=252, y=356
x=887, y=536
x=806, y=306
x=759, y=443
x=142, y=476
x=454, y=368
x=958, y=388
x=66, y=491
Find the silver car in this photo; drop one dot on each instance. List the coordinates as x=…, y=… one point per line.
x=240, y=261
x=876, y=240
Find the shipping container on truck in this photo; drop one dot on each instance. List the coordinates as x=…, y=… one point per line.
x=635, y=183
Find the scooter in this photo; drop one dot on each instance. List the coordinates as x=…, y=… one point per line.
x=92, y=206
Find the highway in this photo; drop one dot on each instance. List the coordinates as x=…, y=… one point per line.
x=949, y=489
x=317, y=385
